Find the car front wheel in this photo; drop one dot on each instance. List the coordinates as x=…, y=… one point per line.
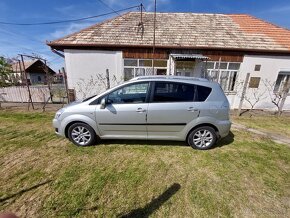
x=202, y=138
x=82, y=134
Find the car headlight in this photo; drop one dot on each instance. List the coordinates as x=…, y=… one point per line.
x=58, y=113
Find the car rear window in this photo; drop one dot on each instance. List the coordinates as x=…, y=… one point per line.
x=202, y=93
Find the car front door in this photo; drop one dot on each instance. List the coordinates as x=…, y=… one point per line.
x=170, y=109
x=124, y=115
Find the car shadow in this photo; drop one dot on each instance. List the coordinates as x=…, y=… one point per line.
x=229, y=139
x=220, y=143
x=154, y=204
x=143, y=142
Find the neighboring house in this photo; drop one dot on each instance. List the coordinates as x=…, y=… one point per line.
x=220, y=47
x=35, y=71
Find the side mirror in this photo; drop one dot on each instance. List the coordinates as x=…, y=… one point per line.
x=103, y=103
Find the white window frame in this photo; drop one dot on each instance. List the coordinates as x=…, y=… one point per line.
x=143, y=67
x=286, y=76
x=230, y=73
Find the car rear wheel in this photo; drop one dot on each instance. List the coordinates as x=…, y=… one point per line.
x=202, y=138
x=82, y=134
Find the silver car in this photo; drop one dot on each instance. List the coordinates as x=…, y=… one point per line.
x=194, y=110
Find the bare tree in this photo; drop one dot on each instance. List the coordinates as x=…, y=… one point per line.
x=252, y=96
x=95, y=84
x=277, y=97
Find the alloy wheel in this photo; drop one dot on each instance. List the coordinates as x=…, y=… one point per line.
x=81, y=135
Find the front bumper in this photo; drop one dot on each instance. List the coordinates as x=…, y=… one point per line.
x=56, y=125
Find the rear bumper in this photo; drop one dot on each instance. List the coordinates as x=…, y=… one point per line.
x=224, y=128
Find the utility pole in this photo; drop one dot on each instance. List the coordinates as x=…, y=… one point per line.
x=26, y=82
x=154, y=27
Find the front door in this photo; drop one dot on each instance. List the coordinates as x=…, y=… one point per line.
x=125, y=113
x=170, y=110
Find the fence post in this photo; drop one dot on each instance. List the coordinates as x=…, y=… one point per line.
x=243, y=93
x=48, y=80
x=28, y=88
x=65, y=84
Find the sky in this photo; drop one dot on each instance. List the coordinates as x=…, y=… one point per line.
x=29, y=40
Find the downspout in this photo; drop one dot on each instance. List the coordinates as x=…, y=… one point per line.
x=57, y=52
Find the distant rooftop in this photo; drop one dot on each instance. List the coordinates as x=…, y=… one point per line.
x=182, y=30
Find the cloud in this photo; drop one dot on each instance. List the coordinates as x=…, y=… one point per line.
x=71, y=28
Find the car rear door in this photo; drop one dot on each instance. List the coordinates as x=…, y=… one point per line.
x=170, y=109
x=125, y=113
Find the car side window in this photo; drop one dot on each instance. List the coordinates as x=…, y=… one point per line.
x=173, y=92
x=130, y=94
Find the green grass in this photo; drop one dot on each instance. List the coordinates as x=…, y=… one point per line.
x=269, y=123
x=43, y=175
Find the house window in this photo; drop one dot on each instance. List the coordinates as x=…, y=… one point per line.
x=254, y=82
x=143, y=67
x=257, y=67
x=225, y=73
x=39, y=78
x=282, y=79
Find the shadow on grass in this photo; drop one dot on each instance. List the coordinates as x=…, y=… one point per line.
x=222, y=142
x=154, y=204
x=229, y=139
x=143, y=142
x=23, y=191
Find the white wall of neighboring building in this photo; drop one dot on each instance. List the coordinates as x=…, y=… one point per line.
x=270, y=67
x=85, y=67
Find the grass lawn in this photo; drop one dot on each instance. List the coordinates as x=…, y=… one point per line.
x=270, y=123
x=46, y=176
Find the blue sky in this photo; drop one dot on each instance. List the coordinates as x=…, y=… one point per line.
x=31, y=39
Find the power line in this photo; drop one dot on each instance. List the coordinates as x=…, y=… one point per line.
x=108, y=6
x=17, y=34
x=66, y=21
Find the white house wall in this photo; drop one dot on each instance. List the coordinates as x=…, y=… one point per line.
x=270, y=67
x=85, y=67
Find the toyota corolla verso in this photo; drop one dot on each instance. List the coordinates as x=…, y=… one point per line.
x=187, y=109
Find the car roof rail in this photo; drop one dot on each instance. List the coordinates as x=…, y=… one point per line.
x=170, y=77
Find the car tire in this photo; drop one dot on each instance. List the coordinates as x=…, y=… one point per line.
x=82, y=134
x=202, y=138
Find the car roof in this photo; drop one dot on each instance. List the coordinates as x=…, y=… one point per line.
x=181, y=79
x=171, y=78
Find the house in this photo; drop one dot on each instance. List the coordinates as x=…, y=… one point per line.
x=220, y=47
x=35, y=72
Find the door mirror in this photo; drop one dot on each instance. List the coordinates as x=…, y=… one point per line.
x=103, y=103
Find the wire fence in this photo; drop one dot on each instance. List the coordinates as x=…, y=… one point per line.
x=39, y=94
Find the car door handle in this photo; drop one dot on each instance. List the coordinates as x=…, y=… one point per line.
x=192, y=109
x=140, y=110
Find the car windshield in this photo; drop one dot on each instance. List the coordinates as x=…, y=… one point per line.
x=86, y=99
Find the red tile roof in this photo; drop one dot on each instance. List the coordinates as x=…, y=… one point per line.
x=252, y=25
x=182, y=30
